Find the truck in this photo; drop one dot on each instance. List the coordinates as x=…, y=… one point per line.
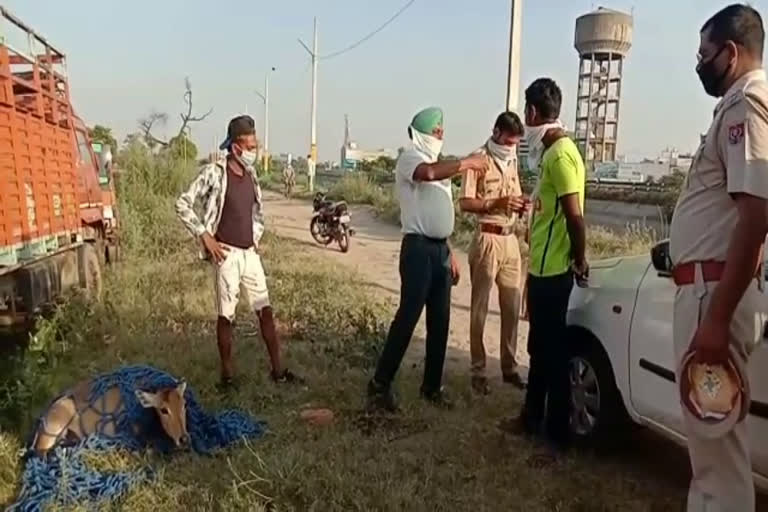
x=58, y=222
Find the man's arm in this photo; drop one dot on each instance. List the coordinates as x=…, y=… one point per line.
x=566, y=180
x=577, y=230
x=185, y=204
x=445, y=169
x=742, y=257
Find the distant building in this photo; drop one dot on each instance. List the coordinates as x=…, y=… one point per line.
x=352, y=156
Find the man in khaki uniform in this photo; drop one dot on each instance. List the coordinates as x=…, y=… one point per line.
x=717, y=234
x=494, y=256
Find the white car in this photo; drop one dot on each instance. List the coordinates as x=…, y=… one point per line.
x=623, y=363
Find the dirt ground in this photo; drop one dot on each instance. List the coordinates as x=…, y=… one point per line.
x=374, y=253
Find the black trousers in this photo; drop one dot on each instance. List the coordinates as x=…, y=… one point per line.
x=425, y=276
x=548, y=383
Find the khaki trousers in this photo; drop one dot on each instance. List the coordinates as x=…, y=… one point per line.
x=494, y=259
x=722, y=470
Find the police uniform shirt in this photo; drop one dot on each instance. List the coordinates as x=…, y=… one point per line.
x=732, y=159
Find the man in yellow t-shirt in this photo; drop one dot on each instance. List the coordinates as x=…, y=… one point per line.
x=557, y=246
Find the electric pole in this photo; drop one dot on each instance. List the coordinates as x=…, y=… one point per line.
x=265, y=98
x=513, y=71
x=312, y=160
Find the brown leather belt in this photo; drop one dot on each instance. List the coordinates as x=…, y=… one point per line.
x=495, y=229
x=712, y=271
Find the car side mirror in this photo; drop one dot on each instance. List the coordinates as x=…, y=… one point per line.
x=660, y=258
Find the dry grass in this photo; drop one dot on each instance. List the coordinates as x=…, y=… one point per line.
x=158, y=309
x=423, y=460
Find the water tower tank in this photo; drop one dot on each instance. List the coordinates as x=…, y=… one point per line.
x=603, y=39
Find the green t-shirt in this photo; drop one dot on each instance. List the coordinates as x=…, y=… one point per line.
x=562, y=174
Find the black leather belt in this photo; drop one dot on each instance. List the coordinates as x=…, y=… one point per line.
x=426, y=238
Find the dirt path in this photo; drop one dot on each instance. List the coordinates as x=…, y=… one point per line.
x=374, y=255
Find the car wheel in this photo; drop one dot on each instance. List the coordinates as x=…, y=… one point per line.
x=596, y=405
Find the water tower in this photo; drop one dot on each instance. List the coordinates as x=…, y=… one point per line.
x=603, y=39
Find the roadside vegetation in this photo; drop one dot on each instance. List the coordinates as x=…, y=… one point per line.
x=157, y=309
x=370, y=189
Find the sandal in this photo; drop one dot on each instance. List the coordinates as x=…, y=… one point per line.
x=287, y=377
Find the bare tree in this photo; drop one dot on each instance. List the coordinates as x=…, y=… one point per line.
x=160, y=118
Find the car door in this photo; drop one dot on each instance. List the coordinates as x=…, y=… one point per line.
x=758, y=417
x=653, y=392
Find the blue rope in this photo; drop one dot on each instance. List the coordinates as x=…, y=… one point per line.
x=63, y=477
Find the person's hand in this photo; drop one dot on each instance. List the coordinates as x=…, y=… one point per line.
x=516, y=204
x=710, y=343
x=455, y=274
x=475, y=162
x=214, y=248
x=581, y=272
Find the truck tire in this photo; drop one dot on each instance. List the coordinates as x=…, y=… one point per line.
x=90, y=271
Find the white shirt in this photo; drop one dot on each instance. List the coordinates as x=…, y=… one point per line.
x=426, y=207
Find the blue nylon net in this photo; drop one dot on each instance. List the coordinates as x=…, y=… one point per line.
x=64, y=478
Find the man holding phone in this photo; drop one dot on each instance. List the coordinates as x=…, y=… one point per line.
x=495, y=197
x=557, y=257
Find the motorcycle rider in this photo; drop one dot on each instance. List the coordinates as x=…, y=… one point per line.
x=289, y=176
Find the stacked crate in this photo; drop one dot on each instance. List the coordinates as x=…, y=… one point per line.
x=38, y=176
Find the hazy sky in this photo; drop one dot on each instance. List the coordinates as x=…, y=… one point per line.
x=127, y=58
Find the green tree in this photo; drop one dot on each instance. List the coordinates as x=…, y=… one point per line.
x=103, y=135
x=181, y=147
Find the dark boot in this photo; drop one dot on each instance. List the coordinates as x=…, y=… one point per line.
x=381, y=398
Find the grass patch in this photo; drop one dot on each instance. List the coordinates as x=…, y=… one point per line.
x=158, y=309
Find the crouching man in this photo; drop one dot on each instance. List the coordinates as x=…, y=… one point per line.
x=230, y=231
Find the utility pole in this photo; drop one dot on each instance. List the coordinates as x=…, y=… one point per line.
x=265, y=98
x=513, y=71
x=312, y=160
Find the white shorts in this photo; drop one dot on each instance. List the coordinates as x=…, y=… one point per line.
x=241, y=268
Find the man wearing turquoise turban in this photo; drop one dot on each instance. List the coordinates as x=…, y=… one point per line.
x=427, y=266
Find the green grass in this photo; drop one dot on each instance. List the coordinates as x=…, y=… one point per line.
x=158, y=309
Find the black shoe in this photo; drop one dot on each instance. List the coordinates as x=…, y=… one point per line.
x=227, y=383
x=381, y=398
x=286, y=377
x=438, y=398
x=516, y=379
x=480, y=385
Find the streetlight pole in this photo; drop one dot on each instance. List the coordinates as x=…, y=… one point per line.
x=513, y=71
x=312, y=160
x=265, y=98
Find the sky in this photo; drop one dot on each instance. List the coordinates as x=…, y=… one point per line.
x=126, y=59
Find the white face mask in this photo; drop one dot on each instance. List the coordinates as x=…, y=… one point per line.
x=428, y=145
x=248, y=157
x=499, y=152
x=535, y=137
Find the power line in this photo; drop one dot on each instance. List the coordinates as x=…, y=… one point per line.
x=361, y=41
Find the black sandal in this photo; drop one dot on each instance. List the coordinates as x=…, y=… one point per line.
x=287, y=377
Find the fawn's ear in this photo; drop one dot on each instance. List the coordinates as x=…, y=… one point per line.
x=182, y=387
x=147, y=399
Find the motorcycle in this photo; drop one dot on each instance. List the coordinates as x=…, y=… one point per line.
x=330, y=222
